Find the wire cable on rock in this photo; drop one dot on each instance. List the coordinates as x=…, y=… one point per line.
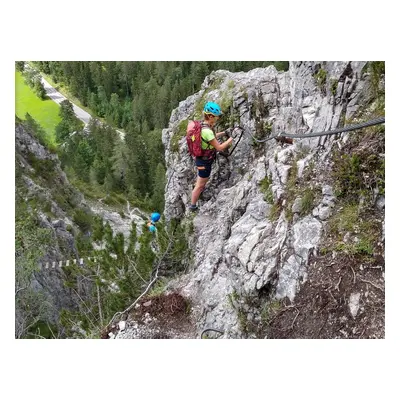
x=211, y=330
x=349, y=128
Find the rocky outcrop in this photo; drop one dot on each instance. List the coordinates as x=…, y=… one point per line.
x=290, y=102
x=42, y=184
x=244, y=243
x=40, y=180
x=120, y=222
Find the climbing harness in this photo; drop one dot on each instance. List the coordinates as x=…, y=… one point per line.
x=211, y=330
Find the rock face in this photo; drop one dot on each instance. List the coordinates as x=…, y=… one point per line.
x=242, y=244
x=34, y=161
x=43, y=185
x=120, y=223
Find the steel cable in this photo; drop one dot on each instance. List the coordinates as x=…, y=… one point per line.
x=349, y=128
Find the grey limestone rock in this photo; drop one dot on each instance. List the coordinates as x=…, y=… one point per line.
x=238, y=246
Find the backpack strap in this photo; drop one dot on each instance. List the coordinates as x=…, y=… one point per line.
x=205, y=125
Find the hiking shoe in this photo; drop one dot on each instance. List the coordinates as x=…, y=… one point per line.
x=193, y=208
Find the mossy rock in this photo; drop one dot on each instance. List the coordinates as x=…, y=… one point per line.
x=178, y=134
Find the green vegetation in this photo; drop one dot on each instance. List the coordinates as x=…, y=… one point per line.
x=39, y=133
x=259, y=111
x=83, y=219
x=179, y=133
x=362, y=248
x=274, y=212
x=348, y=175
x=130, y=272
x=137, y=97
x=225, y=101
x=345, y=219
x=64, y=90
x=360, y=171
x=45, y=112
x=236, y=302
x=349, y=219
x=334, y=85
x=142, y=92
x=158, y=289
x=69, y=122
x=233, y=298
x=294, y=188
x=32, y=79
x=359, y=175
x=265, y=187
x=268, y=310
x=42, y=330
x=298, y=187
x=245, y=304
x=376, y=70
x=102, y=166
x=320, y=77
x=302, y=152
x=289, y=213
x=32, y=305
x=307, y=201
x=44, y=168
x=267, y=127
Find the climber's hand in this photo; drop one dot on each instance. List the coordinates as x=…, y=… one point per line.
x=228, y=132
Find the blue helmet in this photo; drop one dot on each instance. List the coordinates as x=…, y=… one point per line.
x=155, y=216
x=212, y=108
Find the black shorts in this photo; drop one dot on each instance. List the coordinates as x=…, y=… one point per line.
x=203, y=167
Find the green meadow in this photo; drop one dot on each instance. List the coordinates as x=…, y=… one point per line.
x=44, y=112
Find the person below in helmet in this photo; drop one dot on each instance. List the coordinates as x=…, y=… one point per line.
x=151, y=226
x=211, y=113
x=155, y=216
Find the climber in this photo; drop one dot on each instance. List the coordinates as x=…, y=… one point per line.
x=155, y=216
x=211, y=113
x=151, y=226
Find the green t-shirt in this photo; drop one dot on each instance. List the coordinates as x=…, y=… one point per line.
x=207, y=134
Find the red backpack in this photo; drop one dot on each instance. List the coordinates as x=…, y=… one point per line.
x=194, y=139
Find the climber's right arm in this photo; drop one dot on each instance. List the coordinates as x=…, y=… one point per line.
x=220, y=146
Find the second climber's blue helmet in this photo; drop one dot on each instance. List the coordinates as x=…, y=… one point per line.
x=212, y=108
x=155, y=216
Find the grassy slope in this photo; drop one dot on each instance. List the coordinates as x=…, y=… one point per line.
x=45, y=112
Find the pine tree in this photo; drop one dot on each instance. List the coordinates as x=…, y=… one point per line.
x=67, y=110
x=132, y=239
x=20, y=66
x=157, y=199
x=102, y=101
x=113, y=113
x=146, y=256
x=138, y=170
x=118, y=245
x=120, y=165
